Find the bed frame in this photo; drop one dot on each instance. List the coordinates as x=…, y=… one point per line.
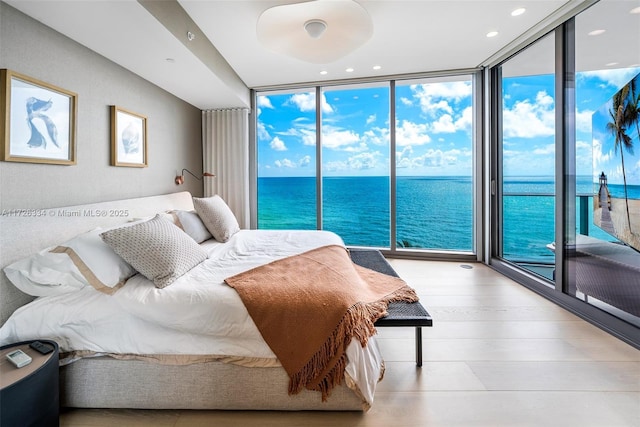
x=104, y=382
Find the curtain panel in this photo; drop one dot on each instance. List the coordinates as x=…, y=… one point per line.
x=225, y=153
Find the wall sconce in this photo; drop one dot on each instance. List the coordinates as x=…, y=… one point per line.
x=180, y=178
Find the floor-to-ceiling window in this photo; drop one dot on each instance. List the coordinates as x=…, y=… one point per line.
x=286, y=158
x=434, y=163
x=387, y=164
x=355, y=163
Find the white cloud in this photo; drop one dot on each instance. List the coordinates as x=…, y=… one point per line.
x=364, y=160
x=334, y=166
x=583, y=121
x=284, y=163
x=466, y=119
x=357, y=148
x=444, y=124
x=290, y=164
x=431, y=158
x=337, y=139
x=264, y=102
x=371, y=119
x=308, y=137
x=409, y=133
x=617, y=77
x=277, y=144
x=263, y=133
x=406, y=101
x=305, y=161
x=307, y=102
x=547, y=149
x=376, y=136
x=435, y=98
x=528, y=119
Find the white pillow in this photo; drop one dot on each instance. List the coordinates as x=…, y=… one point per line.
x=217, y=217
x=82, y=261
x=190, y=223
x=156, y=248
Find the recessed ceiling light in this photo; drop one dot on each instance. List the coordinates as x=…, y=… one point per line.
x=323, y=72
x=376, y=67
x=349, y=70
x=492, y=34
x=170, y=60
x=597, y=32
x=518, y=12
x=635, y=10
x=611, y=64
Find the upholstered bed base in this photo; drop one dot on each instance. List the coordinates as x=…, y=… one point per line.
x=110, y=383
x=104, y=382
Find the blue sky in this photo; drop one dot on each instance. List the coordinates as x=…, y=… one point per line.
x=433, y=128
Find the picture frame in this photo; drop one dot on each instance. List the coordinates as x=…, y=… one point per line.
x=128, y=138
x=38, y=121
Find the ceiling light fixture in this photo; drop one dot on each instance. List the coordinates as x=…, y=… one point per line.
x=518, y=12
x=376, y=67
x=315, y=28
x=492, y=34
x=635, y=10
x=597, y=32
x=319, y=32
x=349, y=70
x=324, y=72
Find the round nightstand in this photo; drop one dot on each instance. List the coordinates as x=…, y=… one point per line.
x=29, y=395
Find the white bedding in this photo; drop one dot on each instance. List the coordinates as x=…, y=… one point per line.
x=198, y=314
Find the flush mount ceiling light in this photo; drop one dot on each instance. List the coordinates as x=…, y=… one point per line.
x=319, y=32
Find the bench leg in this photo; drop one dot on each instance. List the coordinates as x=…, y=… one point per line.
x=418, y=346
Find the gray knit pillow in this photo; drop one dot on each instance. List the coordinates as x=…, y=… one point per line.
x=217, y=217
x=156, y=248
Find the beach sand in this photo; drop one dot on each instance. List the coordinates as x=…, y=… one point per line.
x=619, y=219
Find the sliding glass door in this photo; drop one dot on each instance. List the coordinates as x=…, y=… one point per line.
x=527, y=150
x=566, y=166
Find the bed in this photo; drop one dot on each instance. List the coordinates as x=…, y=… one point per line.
x=157, y=359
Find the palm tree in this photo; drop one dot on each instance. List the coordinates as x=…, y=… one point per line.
x=632, y=116
x=624, y=113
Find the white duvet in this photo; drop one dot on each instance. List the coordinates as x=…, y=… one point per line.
x=198, y=314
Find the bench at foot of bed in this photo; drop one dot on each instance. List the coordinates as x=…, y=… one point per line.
x=400, y=313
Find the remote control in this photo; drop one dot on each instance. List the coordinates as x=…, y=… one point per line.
x=41, y=347
x=19, y=358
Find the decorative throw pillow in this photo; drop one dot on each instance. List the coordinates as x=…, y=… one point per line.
x=217, y=217
x=157, y=248
x=190, y=223
x=82, y=261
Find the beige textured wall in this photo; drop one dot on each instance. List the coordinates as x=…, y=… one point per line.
x=174, y=126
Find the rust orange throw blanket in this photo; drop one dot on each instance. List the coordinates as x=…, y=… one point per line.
x=309, y=307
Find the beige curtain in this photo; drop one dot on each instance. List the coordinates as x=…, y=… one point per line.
x=225, y=152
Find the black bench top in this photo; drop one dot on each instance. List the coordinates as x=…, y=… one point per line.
x=400, y=313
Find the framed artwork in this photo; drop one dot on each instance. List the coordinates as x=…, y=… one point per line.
x=128, y=138
x=38, y=121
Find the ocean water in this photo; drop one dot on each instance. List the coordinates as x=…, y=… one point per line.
x=432, y=212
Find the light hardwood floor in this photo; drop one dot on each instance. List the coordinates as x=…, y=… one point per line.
x=497, y=355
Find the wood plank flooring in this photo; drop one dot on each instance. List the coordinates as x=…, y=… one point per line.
x=497, y=355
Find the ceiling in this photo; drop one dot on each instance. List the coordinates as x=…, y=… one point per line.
x=213, y=70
